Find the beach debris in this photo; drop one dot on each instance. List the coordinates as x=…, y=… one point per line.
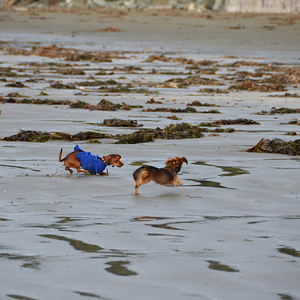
x=114, y=122
x=293, y=122
x=239, y=121
x=162, y=72
x=40, y=136
x=291, y=133
x=111, y=29
x=7, y=72
x=79, y=104
x=287, y=95
x=16, y=95
x=239, y=63
x=71, y=71
x=152, y=101
x=268, y=27
x=277, y=146
x=198, y=103
x=282, y=110
x=211, y=111
x=188, y=109
x=109, y=106
x=236, y=27
x=200, y=70
x=96, y=82
x=59, y=85
x=173, y=131
x=32, y=101
x=124, y=89
x=213, y=91
x=67, y=54
x=127, y=69
x=102, y=105
x=252, y=86
x=174, y=118
x=185, y=82
x=179, y=60
x=16, y=84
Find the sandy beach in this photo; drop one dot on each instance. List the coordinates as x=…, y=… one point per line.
x=230, y=231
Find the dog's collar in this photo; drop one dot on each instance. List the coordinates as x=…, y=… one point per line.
x=103, y=160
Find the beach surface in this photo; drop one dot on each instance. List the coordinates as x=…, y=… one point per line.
x=230, y=231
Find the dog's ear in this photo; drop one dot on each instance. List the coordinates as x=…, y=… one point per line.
x=181, y=159
x=170, y=160
x=114, y=155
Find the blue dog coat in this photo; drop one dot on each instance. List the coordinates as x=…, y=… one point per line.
x=89, y=162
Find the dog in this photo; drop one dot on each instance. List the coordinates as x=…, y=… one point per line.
x=164, y=176
x=85, y=162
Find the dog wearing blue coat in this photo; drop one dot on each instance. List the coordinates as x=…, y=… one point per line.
x=86, y=162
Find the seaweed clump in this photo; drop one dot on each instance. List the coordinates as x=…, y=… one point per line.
x=152, y=101
x=277, y=146
x=239, y=121
x=254, y=87
x=7, y=72
x=287, y=95
x=40, y=136
x=172, y=110
x=29, y=136
x=109, y=106
x=120, y=123
x=173, y=131
x=198, y=103
x=213, y=91
x=185, y=82
x=282, y=110
x=66, y=54
x=97, y=82
x=17, y=84
x=123, y=89
x=59, y=85
x=71, y=71
x=35, y=101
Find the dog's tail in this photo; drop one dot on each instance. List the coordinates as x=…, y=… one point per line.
x=59, y=157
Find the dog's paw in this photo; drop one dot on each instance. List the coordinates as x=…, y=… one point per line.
x=177, y=182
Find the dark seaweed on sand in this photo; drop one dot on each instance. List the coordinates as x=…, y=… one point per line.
x=277, y=146
x=40, y=136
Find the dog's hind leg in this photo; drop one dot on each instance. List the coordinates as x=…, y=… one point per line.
x=67, y=168
x=143, y=178
x=136, y=186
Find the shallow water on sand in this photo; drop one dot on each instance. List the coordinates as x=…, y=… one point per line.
x=231, y=231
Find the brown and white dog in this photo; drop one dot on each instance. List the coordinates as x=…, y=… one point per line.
x=85, y=162
x=164, y=176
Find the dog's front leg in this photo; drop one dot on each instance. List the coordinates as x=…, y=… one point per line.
x=103, y=174
x=178, y=182
x=80, y=170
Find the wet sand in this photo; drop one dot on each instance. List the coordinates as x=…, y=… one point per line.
x=231, y=231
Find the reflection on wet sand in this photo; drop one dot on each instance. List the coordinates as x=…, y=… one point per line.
x=215, y=265
x=32, y=262
x=77, y=245
x=117, y=268
x=20, y=297
x=230, y=171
